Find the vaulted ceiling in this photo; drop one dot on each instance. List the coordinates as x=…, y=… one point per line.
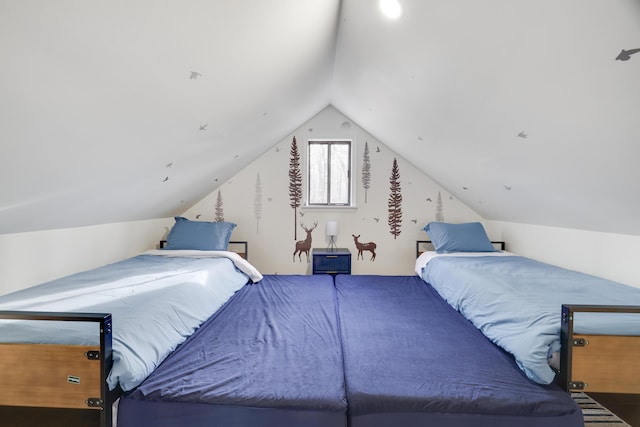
x=124, y=110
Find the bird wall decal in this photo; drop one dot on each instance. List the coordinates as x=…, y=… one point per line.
x=522, y=135
x=194, y=75
x=625, y=55
x=204, y=126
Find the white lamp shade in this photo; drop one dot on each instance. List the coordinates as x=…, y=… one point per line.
x=331, y=228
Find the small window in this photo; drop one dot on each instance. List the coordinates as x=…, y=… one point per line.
x=329, y=173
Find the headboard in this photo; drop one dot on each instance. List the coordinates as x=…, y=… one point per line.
x=426, y=245
x=237, y=246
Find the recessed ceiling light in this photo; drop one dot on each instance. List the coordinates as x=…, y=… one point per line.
x=391, y=8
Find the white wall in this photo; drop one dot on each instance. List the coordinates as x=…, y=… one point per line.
x=27, y=259
x=271, y=239
x=612, y=256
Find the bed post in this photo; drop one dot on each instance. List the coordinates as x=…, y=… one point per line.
x=566, y=333
x=106, y=361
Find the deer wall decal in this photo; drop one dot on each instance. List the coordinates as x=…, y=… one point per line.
x=370, y=246
x=304, y=245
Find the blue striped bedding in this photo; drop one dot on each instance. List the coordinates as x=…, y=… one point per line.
x=516, y=302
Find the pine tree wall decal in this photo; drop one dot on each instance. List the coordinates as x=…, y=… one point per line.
x=257, y=203
x=295, y=184
x=395, y=201
x=366, y=170
x=439, y=212
x=219, y=210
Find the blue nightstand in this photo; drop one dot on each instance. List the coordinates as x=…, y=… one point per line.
x=331, y=261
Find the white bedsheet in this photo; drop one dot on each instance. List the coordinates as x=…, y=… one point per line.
x=427, y=256
x=240, y=263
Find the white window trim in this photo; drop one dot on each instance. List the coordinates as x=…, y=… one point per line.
x=352, y=191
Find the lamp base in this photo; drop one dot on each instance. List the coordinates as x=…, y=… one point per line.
x=332, y=244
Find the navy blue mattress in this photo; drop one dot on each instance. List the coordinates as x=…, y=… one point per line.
x=270, y=357
x=412, y=360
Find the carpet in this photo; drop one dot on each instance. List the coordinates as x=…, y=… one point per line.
x=595, y=414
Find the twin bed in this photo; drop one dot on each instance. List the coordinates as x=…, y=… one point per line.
x=534, y=310
x=310, y=350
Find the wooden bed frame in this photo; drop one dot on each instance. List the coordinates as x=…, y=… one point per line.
x=58, y=376
x=598, y=363
x=590, y=363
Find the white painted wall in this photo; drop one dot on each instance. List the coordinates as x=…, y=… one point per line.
x=612, y=256
x=27, y=259
x=31, y=258
x=271, y=240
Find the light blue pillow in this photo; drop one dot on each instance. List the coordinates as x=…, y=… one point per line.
x=467, y=237
x=199, y=235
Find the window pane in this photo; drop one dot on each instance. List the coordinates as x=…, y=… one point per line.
x=329, y=173
x=318, y=172
x=339, y=184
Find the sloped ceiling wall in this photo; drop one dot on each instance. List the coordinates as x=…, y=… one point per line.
x=519, y=108
x=127, y=110
x=135, y=109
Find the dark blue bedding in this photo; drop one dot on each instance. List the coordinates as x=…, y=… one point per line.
x=411, y=360
x=375, y=351
x=271, y=356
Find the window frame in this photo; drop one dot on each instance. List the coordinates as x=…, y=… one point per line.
x=350, y=162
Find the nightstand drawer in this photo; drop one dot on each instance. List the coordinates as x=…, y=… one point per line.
x=336, y=261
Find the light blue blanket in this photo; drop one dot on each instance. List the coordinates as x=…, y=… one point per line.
x=516, y=302
x=156, y=302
